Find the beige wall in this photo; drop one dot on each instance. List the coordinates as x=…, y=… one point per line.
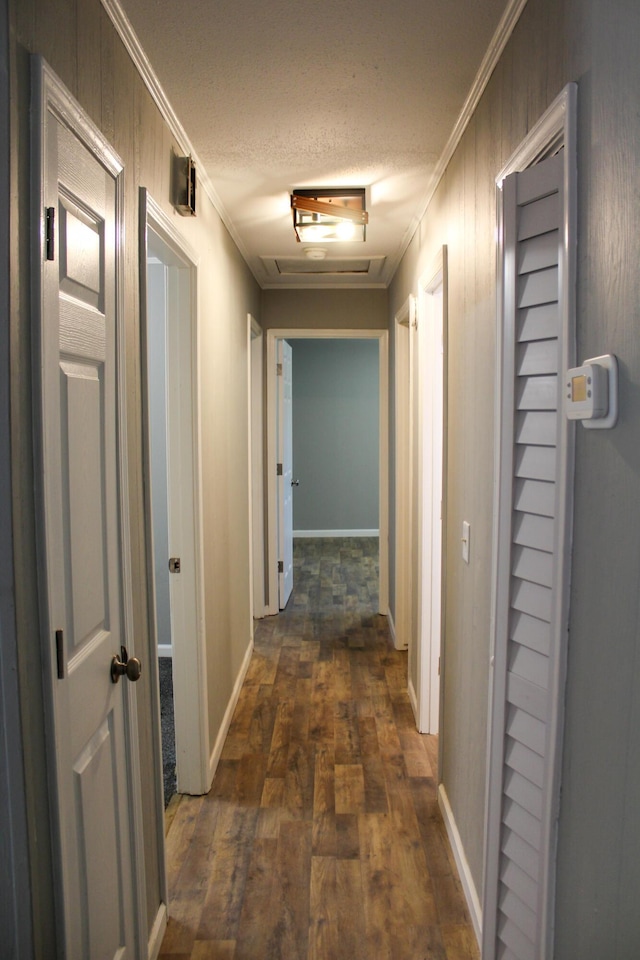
x=81, y=45
x=332, y=309
x=596, y=44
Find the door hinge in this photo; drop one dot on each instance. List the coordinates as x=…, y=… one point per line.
x=174, y=565
x=50, y=230
x=60, y=654
x=280, y=566
x=278, y=469
x=438, y=666
x=278, y=369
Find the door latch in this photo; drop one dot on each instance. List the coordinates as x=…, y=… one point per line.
x=174, y=565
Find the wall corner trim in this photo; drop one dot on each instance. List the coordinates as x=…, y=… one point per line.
x=468, y=885
x=228, y=714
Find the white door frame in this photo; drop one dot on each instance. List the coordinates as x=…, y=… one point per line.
x=404, y=388
x=15, y=894
x=284, y=427
x=255, y=346
x=431, y=486
x=382, y=336
x=183, y=428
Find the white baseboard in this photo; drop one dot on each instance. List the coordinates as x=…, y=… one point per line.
x=392, y=626
x=336, y=533
x=157, y=932
x=228, y=714
x=469, y=887
x=413, y=700
x=165, y=650
x=392, y=631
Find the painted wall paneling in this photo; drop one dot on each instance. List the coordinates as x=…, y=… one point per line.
x=602, y=730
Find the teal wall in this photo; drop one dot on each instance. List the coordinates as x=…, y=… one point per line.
x=335, y=434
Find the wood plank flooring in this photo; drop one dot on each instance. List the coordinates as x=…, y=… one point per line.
x=321, y=838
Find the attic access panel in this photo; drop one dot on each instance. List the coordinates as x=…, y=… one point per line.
x=278, y=268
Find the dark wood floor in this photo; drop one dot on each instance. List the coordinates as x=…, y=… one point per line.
x=321, y=838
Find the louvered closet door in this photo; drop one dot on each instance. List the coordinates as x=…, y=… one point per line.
x=532, y=569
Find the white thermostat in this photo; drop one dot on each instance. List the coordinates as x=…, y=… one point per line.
x=591, y=393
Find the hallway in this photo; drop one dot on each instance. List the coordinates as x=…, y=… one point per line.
x=321, y=836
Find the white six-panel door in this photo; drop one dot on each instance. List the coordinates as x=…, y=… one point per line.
x=82, y=557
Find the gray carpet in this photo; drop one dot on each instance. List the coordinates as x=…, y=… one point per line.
x=165, y=665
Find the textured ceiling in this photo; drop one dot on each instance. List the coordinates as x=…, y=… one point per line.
x=292, y=93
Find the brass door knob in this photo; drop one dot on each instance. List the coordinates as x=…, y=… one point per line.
x=129, y=667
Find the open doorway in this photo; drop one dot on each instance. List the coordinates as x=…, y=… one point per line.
x=420, y=412
x=273, y=338
x=169, y=315
x=405, y=387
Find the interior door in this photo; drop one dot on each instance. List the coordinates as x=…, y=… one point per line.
x=285, y=472
x=430, y=493
x=532, y=563
x=81, y=583
x=405, y=634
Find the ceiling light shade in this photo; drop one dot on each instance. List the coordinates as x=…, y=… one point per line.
x=328, y=215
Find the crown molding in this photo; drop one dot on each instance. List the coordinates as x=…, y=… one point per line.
x=499, y=40
x=142, y=63
x=490, y=60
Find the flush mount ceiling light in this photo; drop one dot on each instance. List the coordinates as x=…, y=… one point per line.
x=327, y=215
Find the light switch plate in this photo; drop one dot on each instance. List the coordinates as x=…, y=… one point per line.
x=466, y=538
